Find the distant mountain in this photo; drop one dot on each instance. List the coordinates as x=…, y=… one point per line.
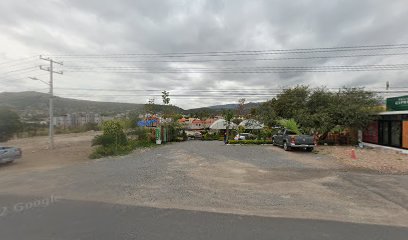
x=218, y=109
x=35, y=103
x=224, y=106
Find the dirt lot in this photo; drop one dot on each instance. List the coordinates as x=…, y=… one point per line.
x=214, y=177
x=69, y=148
x=76, y=147
x=380, y=160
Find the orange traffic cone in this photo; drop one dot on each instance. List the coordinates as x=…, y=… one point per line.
x=353, y=154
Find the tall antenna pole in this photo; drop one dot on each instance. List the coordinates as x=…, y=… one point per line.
x=51, y=93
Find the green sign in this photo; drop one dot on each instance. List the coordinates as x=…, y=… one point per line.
x=397, y=103
x=158, y=133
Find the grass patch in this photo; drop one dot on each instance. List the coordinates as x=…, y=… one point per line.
x=113, y=150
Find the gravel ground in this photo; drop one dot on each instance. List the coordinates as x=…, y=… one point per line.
x=379, y=160
x=211, y=176
x=69, y=149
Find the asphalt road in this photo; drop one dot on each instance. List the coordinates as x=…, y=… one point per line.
x=203, y=190
x=67, y=219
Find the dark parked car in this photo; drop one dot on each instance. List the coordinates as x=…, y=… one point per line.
x=9, y=154
x=289, y=139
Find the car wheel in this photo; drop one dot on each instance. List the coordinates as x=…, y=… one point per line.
x=286, y=147
x=309, y=149
x=273, y=142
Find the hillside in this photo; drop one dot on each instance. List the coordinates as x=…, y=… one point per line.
x=218, y=109
x=35, y=103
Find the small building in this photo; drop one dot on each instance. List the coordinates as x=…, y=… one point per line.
x=196, y=124
x=208, y=122
x=222, y=124
x=251, y=124
x=391, y=127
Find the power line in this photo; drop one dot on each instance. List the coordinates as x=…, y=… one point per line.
x=198, y=90
x=252, y=59
x=264, y=69
x=247, y=52
x=242, y=68
x=234, y=94
x=17, y=60
x=248, y=72
x=19, y=70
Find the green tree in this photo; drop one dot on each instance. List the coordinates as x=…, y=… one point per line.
x=166, y=97
x=352, y=108
x=9, y=124
x=290, y=124
x=291, y=102
x=228, y=116
x=265, y=113
x=113, y=135
x=321, y=110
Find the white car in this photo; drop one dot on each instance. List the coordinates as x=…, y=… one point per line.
x=9, y=154
x=243, y=136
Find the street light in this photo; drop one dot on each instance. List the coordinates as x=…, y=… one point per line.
x=36, y=79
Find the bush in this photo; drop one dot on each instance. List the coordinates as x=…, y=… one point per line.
x=9, y=124
x=257, y=142
x=290, y=124
x=184, y=135
x=104, y=140
x=139, y=133
x=114, y=130
x=141, y=144
x=210, y=136
x=111, y=150
x=112, y=142
x=265, y=134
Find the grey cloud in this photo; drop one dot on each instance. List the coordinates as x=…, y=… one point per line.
x=102, y=27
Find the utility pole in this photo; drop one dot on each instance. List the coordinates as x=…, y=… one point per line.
x=51, y=93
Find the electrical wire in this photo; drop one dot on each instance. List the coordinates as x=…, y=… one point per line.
x=244, y=52
x=15, y=60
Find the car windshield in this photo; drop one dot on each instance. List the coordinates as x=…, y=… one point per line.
x=184, y=119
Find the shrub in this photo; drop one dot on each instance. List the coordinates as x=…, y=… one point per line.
x=112, y=142
x=139, y=133
x=210, y=136
x=290, y=124
x=111, y=150
x=141, y=144
x=104, y=140
x=114, y=130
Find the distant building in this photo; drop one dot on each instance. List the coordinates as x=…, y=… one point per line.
x=73, y=120
x=196, y=124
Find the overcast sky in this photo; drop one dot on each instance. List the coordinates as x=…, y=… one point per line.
x=101, y=27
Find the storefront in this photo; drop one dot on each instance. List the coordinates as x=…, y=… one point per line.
x=391, y=128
